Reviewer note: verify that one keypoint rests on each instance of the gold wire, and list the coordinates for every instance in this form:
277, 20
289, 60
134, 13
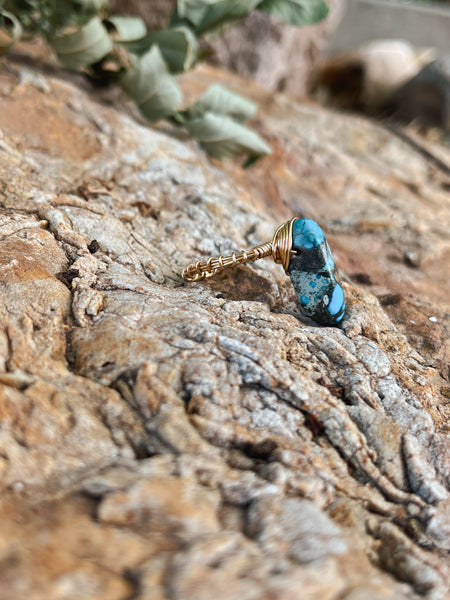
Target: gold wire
280, 248
282, 243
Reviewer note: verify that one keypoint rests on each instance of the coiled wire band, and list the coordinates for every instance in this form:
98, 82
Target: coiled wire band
280, 248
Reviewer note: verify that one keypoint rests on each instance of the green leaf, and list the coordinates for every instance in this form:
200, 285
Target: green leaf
13, 30
65, 13
178, 46
151, 86
222, 137
193, 10
221, 101
296, 12
207, 15
127, 28
82, 47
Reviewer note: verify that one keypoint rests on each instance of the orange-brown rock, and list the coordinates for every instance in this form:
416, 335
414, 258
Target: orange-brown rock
169, 441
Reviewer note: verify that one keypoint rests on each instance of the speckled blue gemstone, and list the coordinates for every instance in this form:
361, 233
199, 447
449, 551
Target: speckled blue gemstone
312, 272
307, 234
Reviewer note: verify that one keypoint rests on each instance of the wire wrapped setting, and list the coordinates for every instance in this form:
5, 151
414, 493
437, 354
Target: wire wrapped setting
280, 248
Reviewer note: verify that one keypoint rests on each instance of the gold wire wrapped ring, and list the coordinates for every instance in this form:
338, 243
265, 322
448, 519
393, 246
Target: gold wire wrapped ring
300, 246
280, 248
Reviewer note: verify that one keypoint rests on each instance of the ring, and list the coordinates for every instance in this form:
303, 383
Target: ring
300, 246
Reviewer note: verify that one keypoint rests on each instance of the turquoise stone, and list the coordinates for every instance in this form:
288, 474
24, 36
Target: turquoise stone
337, 300
312, 272
307, 234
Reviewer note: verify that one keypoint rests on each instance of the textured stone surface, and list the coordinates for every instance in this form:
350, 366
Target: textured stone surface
170, 441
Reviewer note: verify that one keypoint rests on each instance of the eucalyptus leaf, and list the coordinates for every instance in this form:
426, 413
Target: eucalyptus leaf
192, 10
85, 46
178, 46
296, 12
127, 28
207, 15
221, 101
151, 86
13, 30
222, 137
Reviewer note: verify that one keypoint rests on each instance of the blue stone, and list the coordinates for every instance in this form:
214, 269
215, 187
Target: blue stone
307, 234
312, 272
337, 300
329, 264
339, 317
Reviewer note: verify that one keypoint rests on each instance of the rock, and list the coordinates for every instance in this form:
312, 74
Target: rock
277, 56
389, 78
160, 439
300, 525
425, 98
370, 75
167, 506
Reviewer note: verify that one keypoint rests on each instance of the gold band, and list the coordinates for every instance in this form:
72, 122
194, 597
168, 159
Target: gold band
280, 248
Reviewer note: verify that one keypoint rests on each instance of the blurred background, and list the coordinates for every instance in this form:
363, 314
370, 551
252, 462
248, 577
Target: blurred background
388, 58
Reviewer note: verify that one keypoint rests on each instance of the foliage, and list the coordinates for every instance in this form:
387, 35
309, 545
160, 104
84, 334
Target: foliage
120, 49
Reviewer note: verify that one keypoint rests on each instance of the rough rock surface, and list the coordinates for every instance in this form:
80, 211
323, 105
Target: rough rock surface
170, 441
